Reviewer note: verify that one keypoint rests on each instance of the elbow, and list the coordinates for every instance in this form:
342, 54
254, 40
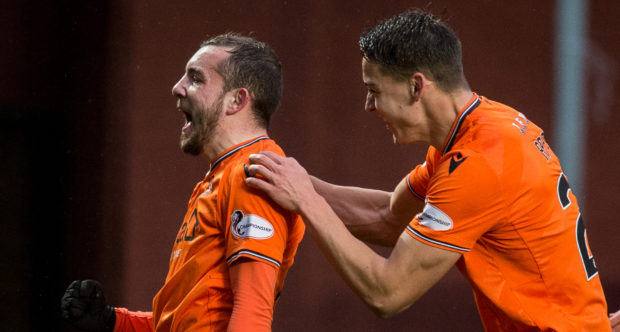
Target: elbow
382, 313
386, 303
383, 307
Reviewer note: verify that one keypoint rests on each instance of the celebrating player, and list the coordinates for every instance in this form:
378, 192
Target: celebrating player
490, 197
235, 245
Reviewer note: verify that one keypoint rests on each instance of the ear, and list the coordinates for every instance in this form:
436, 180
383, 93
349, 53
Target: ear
417, 83
239, 99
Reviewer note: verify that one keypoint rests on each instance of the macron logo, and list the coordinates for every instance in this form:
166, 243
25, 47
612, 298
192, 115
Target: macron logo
455, 162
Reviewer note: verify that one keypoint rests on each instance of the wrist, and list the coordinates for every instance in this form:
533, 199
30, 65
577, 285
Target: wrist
311, 208
109, 318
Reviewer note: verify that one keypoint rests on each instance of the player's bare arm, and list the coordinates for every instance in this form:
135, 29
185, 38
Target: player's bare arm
387, 286
371, 215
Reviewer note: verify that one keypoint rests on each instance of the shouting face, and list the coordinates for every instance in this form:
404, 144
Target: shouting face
199, 97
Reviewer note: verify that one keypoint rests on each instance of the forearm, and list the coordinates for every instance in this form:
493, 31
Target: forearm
386, 285
365, 212
357, 264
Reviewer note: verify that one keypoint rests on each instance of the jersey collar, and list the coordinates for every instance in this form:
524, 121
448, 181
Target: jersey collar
469, 107
234, 149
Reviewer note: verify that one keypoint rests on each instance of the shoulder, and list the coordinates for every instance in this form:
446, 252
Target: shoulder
238, 166
466, 171
267, 145
495, 130
467, 184
468, 160
498, 120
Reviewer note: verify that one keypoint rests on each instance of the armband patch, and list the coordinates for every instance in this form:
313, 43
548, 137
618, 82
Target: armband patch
250, 226
435, 219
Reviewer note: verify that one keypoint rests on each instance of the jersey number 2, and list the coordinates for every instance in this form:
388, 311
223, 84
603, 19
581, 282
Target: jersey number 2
580, 230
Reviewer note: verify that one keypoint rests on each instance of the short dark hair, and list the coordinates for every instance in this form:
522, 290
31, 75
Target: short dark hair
253, 65
415, 41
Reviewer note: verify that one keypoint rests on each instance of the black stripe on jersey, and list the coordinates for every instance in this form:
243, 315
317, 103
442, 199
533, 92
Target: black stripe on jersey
229, 153
253, 254
443, 244
413, 191
459, 121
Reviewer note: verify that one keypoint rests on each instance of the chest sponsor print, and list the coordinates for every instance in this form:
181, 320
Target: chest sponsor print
250, 226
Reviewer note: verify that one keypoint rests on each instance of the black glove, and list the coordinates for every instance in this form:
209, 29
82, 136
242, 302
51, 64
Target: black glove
83, 305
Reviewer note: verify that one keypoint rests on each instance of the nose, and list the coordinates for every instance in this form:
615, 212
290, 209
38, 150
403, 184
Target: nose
178, 90
370, 103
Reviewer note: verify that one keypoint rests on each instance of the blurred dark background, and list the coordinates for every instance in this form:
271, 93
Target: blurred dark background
94, 185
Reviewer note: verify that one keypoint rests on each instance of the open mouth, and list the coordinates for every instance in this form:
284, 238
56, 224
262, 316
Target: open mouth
188, 120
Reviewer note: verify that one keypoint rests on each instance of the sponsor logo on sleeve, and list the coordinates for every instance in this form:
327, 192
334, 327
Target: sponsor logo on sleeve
250, 226
435, 219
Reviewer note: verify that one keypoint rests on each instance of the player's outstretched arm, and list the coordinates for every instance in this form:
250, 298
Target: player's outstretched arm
387, 286
371, 215
84, 306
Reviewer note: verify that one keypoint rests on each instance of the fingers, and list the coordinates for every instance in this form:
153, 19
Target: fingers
272, 155
75, 284
71, 304
77, 308
615, 318
265, 164
267, 159
258, 184
87, 288
263, 173
81, 296
91, 289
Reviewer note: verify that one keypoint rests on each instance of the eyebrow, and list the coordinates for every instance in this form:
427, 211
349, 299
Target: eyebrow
194, 71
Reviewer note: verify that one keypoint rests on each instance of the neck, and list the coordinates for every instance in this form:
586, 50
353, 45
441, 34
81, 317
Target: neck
225, 139
445, 108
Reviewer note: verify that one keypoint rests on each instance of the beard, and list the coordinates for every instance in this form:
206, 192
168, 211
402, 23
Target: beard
203, 122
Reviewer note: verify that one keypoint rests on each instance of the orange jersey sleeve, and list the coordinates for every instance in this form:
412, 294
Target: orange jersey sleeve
252, 283
133, 321
255, 226
417, 180
455, 214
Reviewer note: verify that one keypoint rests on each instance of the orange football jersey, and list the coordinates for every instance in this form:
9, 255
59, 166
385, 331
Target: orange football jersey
225, 220
496, 194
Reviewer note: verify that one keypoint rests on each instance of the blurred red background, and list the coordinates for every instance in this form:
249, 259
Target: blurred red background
95, 185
